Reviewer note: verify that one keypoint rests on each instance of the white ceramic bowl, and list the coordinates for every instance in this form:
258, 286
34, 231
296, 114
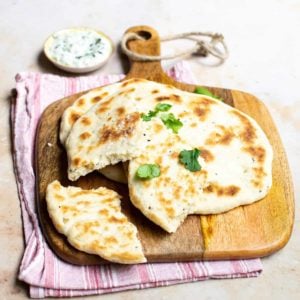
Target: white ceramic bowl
75, 69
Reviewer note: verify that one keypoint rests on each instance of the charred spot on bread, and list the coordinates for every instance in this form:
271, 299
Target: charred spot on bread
222, 136
76, 161
248, 133
124, 128
85, 121
207, 155
74, 116
80, 102
257, 152
173, 98
229, 191
84, 136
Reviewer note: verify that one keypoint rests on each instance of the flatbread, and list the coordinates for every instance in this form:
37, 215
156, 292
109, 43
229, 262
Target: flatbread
236, 152
109, 132
81, 106
76, 110
237, 155
93, 222
115, 173
165, 200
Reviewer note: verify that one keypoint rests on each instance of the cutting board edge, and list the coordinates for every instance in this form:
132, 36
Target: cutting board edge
250, 253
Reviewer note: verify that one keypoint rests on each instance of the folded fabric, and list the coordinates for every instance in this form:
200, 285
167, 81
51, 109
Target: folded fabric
46, 274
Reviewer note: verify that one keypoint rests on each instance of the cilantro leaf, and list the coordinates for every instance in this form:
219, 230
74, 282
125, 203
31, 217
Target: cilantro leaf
159, 107
168, 119
203, 91
171, 122
163, 107
148, 171
149, 116
189, 158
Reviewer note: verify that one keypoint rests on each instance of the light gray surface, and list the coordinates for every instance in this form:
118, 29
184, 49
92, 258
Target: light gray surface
263, 38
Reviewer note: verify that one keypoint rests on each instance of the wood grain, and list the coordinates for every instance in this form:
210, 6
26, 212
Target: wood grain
249, 231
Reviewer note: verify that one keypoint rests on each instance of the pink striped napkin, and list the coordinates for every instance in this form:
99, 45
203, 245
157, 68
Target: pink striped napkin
46, 274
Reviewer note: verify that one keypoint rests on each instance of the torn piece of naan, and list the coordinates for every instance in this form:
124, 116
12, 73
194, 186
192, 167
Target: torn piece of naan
80, 107
110, 131
93, 222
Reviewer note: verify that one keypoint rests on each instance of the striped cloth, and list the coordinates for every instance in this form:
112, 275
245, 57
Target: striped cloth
46, 274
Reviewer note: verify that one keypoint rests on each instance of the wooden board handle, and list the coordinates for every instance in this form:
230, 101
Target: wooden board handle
150, 70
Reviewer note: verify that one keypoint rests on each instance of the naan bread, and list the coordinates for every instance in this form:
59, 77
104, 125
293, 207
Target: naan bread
77, 109
115, 173
81, 106
93, 222
237, 154
165, 200
110, 131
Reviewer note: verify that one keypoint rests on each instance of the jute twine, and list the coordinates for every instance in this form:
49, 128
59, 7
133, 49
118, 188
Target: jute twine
202, 46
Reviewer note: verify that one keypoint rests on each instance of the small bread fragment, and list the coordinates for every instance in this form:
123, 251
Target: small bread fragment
93, 222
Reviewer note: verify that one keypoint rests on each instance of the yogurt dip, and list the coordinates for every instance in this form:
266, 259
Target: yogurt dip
78, 49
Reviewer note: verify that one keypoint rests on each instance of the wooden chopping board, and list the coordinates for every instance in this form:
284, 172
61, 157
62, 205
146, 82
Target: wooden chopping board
250, 231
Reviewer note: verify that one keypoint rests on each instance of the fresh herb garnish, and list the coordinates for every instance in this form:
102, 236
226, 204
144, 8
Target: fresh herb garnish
190, 159
203, 91
171, 122
163, 107
159, 107
169, 119
149, 116
148, 171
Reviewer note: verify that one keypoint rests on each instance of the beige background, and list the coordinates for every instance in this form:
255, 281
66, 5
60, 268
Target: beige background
263, 37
